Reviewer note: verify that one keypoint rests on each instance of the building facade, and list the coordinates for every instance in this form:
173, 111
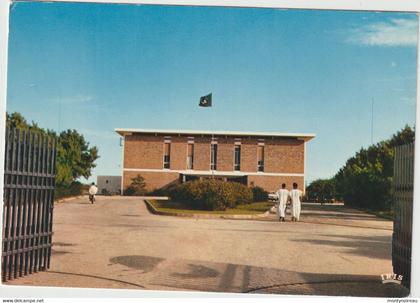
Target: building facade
108, 184
164, 157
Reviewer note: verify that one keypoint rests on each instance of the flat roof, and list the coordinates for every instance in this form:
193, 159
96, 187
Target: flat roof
125, 131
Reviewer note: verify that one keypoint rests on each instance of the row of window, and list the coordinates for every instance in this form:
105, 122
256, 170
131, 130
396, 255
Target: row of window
213, 157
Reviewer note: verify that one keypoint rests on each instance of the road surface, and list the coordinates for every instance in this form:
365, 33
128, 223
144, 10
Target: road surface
117, 243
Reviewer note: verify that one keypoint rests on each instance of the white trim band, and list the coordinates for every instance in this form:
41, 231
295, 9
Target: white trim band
215, 172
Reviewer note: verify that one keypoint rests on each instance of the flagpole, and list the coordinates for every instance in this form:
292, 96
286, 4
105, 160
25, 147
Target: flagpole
212, 139
211, 144
371, 125
206, 101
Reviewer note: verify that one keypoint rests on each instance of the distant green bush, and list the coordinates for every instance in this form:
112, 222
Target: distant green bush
74, 189
259, 194
321, 190
211, 194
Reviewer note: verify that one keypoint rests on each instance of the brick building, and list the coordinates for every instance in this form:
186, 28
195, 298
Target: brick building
163, 157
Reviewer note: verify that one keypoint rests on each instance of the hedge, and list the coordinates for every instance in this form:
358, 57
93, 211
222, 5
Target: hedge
211, 194
259, 194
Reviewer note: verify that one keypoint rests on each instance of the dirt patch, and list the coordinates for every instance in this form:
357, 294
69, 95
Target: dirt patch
143, 263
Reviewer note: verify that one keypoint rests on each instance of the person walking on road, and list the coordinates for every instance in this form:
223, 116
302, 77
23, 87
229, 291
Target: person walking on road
296, 196
283, 197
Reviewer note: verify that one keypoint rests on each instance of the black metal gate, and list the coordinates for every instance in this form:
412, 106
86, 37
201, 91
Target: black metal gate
29, 182
403, 181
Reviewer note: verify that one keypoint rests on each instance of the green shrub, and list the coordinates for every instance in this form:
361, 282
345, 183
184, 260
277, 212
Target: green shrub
240, 194
105, 192
137, 187
210, 194
259, 194
74, 189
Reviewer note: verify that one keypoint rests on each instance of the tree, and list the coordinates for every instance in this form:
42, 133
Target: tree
75, 158
16, 120
366, 179
321, 190
404, 136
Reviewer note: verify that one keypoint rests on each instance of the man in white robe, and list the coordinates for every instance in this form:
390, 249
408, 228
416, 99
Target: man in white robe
296, 196
283, 197
93, 190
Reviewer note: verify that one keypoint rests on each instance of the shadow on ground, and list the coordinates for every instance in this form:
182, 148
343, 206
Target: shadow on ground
372, 246
337, 212
227, 277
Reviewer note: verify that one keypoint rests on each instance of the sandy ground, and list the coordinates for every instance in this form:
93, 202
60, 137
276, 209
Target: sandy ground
117, 243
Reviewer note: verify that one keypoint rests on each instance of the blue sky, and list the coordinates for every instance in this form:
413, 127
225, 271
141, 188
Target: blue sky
96, 67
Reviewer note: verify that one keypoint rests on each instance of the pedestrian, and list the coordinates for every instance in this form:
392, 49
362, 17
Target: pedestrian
296, 196
283, 197
93, 190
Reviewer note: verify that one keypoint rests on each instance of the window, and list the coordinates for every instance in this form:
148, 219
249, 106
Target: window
190, 156
166, 155
237, 165
213, 156
260, 158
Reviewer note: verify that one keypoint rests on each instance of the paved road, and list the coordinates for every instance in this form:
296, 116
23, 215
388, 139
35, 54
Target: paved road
117, 243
